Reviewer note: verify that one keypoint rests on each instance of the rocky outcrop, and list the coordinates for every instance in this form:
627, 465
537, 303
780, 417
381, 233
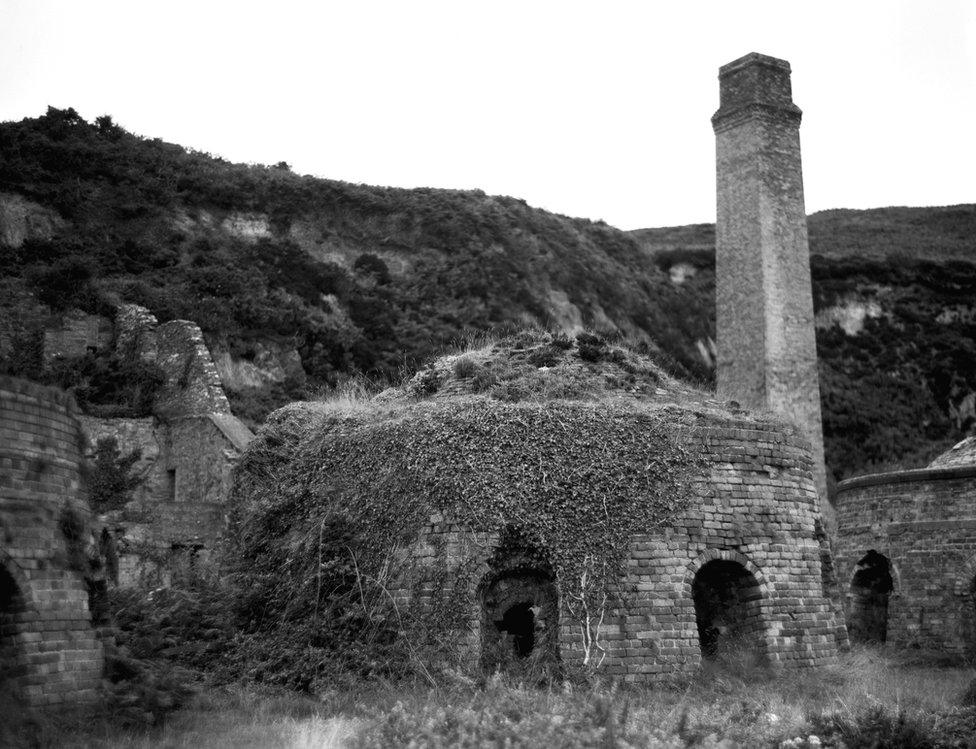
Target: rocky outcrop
22, 219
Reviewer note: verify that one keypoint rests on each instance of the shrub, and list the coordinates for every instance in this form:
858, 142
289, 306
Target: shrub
425, 382
58, 285
545, 356
26, 357
109, 384
876, 726
109, 476
591, 347
370, 264
466, 367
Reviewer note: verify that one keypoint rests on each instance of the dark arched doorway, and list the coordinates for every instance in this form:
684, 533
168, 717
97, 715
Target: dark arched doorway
520, 623
11, 604
871, 587
728, 611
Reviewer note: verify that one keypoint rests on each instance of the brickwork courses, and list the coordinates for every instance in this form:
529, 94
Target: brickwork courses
923, 524
49, 653
754, 509
767, 355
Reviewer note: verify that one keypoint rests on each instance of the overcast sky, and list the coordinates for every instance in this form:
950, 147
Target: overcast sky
597, 109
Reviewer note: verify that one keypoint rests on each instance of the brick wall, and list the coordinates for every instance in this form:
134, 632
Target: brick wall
754, 508
767, 356
924, 523
50, 654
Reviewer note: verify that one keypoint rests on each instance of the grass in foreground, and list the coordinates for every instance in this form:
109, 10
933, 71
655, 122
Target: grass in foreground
868, 700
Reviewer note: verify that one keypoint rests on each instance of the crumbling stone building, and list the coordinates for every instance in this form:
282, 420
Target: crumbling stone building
49, 652
906, 552
189, 442
189, 446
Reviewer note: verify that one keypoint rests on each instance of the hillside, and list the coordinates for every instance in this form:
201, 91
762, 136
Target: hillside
352, 278
894, 292
300, 283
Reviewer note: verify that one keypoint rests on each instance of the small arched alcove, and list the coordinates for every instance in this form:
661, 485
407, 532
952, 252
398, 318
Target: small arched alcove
11, 604
728, 611
871, 587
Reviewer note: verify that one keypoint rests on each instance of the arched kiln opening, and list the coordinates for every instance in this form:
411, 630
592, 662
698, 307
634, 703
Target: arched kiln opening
727, 610
11, 604
520, 622
871, 587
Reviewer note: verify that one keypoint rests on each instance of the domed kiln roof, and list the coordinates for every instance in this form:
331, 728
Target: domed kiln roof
960, 454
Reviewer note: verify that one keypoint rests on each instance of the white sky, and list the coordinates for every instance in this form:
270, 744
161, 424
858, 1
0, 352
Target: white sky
597, 109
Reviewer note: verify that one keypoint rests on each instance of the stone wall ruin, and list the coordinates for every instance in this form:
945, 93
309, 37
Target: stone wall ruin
189, 447
49, 653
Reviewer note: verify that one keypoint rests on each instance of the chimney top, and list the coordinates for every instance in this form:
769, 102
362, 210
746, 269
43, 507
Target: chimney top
755, 79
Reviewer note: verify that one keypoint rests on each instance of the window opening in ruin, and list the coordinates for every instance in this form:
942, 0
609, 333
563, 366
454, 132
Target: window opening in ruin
171, 484
11, 604
727, 611
871, 588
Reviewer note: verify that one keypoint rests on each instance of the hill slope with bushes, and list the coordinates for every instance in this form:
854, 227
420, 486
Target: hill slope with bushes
300, 282
894, 293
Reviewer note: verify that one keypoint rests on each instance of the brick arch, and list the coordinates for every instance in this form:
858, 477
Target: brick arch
727, 607
965, 579
862, 552
14, 602
9, 565
728, 555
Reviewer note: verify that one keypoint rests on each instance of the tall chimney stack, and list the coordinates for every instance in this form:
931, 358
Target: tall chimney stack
767, 354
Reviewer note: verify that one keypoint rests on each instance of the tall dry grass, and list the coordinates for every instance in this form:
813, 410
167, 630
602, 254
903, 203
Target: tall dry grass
868, 699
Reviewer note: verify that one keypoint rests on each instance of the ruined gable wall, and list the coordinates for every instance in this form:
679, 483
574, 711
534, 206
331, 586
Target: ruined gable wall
924, 522
52, 654
756, 504
192, 386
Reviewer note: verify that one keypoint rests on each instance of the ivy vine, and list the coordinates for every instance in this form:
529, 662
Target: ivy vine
578, 479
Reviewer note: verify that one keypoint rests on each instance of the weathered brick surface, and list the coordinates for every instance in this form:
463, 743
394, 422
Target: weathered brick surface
47, 645
767, 356
924, 523
754, 505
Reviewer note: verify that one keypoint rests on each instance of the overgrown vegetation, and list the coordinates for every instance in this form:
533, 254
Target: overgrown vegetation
329, 500
867, 701
146, 227
104, 383
109, 477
